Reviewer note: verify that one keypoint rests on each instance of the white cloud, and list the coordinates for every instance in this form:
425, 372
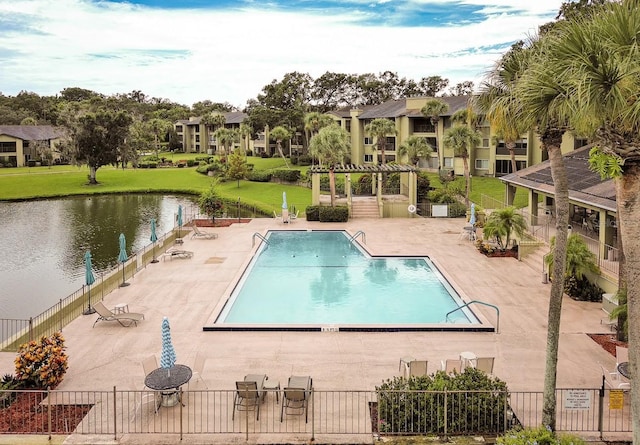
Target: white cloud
190, 55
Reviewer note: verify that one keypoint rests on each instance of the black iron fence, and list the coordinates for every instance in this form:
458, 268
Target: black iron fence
354, 415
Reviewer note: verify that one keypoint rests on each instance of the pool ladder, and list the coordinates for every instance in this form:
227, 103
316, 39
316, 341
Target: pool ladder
357, 234
257, 235
479, 302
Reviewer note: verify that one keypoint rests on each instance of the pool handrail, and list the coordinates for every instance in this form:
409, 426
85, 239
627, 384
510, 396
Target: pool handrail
253, 239
358, 233
479, 302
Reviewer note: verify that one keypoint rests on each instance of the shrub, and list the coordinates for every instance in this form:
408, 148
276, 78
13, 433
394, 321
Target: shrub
191, 162
324, 184
417, 404
312, 213
363, 185
287, 175
260, 176
334, 214
581, 289
539, 436
305, 160
43, 363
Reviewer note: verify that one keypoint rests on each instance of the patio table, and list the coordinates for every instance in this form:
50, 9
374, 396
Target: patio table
169, 381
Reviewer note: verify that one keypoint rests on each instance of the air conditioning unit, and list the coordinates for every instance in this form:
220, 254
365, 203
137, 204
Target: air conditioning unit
609, 302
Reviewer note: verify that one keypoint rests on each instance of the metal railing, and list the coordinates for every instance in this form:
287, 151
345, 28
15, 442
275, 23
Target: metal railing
349, 414
14, 332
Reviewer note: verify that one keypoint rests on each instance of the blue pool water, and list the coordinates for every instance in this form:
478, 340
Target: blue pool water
322, 278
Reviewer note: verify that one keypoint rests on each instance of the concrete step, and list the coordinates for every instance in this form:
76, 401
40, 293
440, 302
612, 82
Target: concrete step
365, 210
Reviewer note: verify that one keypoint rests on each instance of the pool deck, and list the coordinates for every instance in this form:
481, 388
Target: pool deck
191, 290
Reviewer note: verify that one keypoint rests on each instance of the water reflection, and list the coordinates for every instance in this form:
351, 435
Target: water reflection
44, 243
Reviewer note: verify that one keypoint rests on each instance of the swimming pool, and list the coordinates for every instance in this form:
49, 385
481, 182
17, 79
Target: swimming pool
324, 280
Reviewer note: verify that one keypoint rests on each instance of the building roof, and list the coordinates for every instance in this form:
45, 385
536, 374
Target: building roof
585, 185
397, 108
351, 168
32, 132
232, 117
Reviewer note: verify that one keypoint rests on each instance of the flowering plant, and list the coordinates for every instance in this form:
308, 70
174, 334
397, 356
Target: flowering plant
42, 363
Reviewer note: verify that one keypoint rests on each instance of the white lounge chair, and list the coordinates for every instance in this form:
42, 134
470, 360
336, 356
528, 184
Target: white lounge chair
296, 395
197, 233
452, 365
614, 380
124, 318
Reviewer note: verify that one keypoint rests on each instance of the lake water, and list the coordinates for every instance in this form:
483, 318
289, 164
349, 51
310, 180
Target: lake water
44, 242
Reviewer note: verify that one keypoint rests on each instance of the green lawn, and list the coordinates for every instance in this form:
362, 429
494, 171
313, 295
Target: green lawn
57, 181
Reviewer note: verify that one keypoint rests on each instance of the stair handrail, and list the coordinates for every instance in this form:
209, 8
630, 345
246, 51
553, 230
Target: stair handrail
358, 233
478, 302
258, 235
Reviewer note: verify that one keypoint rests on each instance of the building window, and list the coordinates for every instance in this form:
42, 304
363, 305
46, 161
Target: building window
577, 143
368, 158
368, 140
485, 142
390, 144
7, 147
432, 142
503, 166
178, 128
448, 162
197, 138
347, 125
482, 164
423, 125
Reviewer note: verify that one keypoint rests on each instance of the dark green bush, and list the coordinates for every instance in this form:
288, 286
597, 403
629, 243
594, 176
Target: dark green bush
334, 214
473, 401
582, 289
305, 160
324, 184
312, 213
191, 162
259, 176
362, 186
286, 175
457, 209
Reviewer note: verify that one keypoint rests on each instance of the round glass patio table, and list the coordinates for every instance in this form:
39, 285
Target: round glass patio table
623, 369
165, 379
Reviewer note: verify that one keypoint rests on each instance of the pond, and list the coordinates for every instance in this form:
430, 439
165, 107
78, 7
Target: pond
44, 243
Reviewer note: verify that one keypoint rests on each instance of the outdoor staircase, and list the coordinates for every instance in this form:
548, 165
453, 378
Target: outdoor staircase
365, 208
534, 257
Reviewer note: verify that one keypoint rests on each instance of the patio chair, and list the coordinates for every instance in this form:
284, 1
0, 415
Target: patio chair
197, 233
177, 253
296, 395
485, 364
126, 319
614, 380
294, 216
249, 394
413, 368
149, 396
452, 365
198, 367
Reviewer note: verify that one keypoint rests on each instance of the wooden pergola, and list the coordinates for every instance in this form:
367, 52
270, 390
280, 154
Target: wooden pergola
408, 177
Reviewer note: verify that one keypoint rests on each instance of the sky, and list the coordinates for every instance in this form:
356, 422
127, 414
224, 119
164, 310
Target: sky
188, 51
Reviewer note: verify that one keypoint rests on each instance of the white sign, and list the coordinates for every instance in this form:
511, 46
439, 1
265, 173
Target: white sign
439, 210
577, 399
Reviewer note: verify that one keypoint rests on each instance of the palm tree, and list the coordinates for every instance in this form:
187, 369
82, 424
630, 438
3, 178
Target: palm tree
331, 146
380, 128
280, 133
545, 98
502, 223
414, 147
463, 139
212, 121
245, 133
580, 259
226, 137
433, 109
497, 99
314, 121
601, 57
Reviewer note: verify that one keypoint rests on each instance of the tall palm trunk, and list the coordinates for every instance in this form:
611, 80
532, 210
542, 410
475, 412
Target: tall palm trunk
332, 185
552, 140
511, 146
465, 163
628, 194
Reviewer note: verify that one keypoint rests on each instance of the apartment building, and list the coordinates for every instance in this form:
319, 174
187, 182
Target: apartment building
22, 145
490, 158
197, 137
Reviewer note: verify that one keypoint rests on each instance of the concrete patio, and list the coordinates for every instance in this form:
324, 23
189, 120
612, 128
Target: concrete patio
190, 290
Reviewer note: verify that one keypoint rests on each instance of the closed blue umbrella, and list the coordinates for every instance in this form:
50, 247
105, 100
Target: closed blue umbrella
153, 239
168, 355
123, 257
179, 220
472, 218
285, 208
89, 279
